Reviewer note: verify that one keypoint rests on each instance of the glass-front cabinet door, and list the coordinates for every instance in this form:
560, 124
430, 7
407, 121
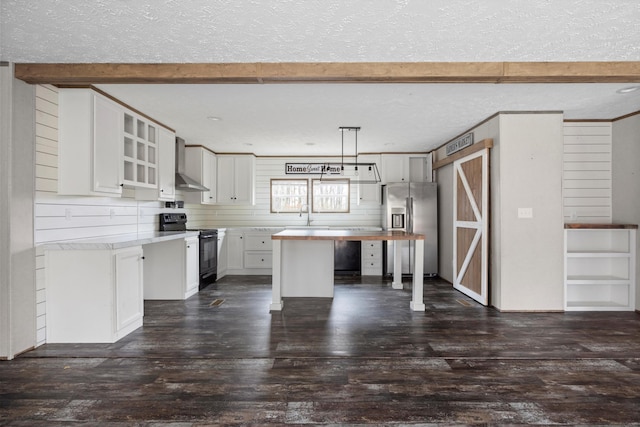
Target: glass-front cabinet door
140, 152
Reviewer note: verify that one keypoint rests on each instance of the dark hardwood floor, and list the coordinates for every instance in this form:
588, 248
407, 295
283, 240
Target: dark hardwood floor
361, 358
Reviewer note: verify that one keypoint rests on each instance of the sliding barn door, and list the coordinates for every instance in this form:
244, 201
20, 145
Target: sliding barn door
471, 226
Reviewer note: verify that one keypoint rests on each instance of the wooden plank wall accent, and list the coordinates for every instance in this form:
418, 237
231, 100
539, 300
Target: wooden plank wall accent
587, 166
46, 181
363, 215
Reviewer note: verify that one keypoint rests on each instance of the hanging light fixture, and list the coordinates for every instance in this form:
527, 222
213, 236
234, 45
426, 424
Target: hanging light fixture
374, 174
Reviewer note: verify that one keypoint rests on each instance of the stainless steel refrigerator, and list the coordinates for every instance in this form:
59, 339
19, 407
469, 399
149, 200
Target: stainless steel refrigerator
411, 207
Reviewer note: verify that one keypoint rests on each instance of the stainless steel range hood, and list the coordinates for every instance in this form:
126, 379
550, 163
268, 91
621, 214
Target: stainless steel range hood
183, 182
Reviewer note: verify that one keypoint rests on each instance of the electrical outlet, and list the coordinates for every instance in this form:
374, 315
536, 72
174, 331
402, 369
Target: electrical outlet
525, 212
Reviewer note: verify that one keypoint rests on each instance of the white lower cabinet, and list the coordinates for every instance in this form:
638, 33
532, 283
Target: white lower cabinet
600, 267
257, 251
192, 262
254, 259
93, 296
171, 269
250, 250
222, 253
235, 250
371, 258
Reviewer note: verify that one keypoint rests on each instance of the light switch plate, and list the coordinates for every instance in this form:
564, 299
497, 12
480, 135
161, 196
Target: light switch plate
525, 212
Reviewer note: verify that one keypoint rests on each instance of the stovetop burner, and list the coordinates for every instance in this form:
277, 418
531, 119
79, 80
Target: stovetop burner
204, 231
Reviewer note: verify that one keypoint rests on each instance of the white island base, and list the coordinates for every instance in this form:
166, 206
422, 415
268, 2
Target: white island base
303, 263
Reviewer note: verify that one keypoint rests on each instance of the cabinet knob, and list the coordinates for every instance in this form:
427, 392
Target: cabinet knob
142, 257
162, 190
121, 185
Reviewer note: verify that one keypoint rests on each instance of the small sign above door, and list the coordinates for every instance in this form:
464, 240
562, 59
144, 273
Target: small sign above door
463, 142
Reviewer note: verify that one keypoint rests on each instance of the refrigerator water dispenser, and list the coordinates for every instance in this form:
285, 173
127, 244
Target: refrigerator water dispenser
397, 218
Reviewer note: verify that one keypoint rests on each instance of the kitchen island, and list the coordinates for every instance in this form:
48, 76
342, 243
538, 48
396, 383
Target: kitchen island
303, 263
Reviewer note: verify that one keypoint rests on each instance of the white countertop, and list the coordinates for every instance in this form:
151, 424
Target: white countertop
119, 241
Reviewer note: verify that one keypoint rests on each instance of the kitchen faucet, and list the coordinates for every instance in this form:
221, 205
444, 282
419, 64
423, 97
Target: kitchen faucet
308, 214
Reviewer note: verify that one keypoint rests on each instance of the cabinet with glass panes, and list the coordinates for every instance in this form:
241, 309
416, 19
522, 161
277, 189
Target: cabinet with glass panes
140, 139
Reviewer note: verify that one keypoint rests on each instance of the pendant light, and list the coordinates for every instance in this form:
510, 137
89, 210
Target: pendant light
372, 168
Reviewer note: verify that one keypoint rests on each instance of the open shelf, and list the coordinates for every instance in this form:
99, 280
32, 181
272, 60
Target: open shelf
600, 270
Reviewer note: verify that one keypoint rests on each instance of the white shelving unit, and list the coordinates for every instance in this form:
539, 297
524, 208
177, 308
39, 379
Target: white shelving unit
600, 267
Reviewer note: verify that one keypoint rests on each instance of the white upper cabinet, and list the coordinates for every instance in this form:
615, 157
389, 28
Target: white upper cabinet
236, 179
166, 169
368, 192
103, 146
200, 164
89, 152
405, 168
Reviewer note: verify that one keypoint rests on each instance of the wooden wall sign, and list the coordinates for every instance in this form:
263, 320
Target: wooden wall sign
312, 169
456, 145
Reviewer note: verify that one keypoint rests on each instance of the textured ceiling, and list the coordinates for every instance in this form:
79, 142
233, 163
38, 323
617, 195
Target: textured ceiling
303, 118
287, 119
319, 30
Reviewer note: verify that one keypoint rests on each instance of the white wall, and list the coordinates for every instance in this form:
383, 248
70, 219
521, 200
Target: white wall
626, 177
17, 266
525, 171
531, 250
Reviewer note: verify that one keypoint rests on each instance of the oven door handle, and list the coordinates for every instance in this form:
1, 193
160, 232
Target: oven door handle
207, 237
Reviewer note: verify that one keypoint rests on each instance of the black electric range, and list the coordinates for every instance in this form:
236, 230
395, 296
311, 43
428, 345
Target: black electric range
208, 245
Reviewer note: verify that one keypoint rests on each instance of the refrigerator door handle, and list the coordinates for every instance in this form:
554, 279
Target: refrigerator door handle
409, 214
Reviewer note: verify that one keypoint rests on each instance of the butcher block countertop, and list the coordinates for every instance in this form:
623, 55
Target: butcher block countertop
345, 235
578, 226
